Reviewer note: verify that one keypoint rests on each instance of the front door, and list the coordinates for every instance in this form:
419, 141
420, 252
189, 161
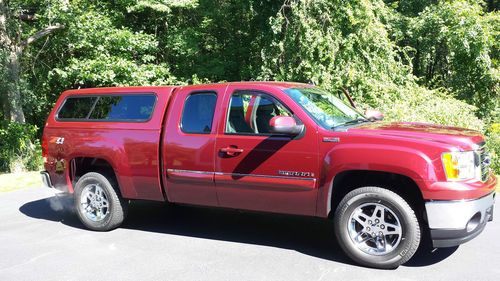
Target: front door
256, 170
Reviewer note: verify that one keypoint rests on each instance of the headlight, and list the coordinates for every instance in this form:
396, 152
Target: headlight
459, 165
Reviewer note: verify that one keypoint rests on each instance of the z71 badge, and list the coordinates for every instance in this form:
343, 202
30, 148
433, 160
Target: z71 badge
295, 173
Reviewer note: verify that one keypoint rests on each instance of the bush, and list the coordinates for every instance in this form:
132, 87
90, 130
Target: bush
422, 105
453, 44
20, 149
493, 143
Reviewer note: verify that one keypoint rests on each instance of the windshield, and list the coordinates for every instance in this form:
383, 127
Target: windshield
328, 111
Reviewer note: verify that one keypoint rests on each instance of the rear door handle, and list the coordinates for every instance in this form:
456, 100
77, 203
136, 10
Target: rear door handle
231, 150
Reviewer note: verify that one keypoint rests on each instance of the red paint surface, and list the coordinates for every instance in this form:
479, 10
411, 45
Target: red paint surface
243, 171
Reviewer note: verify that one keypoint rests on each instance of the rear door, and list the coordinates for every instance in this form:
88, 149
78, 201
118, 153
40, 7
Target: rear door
189, 145
257, 170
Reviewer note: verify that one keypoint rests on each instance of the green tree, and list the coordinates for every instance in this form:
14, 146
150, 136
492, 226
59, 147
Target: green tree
219, 40
337, 44
452, 43
103, 44
13, 42
348, 46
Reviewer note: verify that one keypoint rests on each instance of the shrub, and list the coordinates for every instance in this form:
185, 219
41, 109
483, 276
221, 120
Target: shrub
493, 143
422, 105
19, 147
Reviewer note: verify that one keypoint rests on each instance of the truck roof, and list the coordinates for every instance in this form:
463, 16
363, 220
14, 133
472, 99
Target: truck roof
109, 90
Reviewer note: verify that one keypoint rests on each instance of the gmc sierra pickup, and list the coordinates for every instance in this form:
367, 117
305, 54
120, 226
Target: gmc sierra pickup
275, 147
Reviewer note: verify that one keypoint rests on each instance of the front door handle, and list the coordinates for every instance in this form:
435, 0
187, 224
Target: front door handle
231, 150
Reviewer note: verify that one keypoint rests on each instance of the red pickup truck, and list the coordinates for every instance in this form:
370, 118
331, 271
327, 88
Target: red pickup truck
275, 147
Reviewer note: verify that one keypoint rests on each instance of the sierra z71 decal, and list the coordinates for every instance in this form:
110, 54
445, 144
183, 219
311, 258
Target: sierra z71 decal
295, 173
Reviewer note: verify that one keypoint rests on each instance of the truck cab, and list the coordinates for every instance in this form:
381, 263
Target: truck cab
275, 147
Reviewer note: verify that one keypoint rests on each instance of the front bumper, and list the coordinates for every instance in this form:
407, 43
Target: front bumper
453, 223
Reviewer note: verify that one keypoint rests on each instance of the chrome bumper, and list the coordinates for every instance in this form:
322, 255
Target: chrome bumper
46, 179
455, 222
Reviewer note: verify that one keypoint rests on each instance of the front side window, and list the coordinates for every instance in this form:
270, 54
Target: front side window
198, 113
250, 113
328, 111
128, 108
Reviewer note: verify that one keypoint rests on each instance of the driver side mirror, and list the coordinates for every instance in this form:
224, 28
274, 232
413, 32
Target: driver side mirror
285, 125
374, 115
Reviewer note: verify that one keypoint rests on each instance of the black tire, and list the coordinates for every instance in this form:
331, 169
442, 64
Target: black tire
396, 211
111, 214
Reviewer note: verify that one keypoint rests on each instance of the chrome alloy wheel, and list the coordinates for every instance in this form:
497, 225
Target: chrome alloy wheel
94, 202
374, 229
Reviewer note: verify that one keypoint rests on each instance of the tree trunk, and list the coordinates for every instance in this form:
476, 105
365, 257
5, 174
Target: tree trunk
4, 42
14, 99
11, 95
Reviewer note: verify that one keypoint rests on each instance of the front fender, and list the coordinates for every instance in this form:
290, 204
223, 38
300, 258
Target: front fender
401, 160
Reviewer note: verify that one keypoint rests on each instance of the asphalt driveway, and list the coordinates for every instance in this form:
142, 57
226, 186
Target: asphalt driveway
40, 241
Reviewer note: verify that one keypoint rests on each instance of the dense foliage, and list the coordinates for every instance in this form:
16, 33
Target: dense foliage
450, 45
416, 60
493, 135
353, 51
19, 149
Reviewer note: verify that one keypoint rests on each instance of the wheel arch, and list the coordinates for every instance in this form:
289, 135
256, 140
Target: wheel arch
403, 185
79, 166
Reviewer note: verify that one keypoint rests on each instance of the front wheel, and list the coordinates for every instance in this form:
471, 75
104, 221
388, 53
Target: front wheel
98, 204
376, 227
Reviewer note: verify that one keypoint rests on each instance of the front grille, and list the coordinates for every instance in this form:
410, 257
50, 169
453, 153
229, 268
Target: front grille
482, 161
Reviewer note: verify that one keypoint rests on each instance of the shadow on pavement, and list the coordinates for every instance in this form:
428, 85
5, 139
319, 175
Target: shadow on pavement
56, 208
427, 256
310, 236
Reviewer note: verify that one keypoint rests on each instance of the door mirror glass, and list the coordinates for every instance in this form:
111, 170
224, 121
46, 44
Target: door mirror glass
374, 115
285, 125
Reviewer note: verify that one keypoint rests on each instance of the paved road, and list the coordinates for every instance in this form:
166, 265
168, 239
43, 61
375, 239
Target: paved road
38, 241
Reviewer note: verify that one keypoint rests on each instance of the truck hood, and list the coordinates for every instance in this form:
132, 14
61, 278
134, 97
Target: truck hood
458, 137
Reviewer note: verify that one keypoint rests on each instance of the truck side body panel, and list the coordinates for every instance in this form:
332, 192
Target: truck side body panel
131, 148
266, 176
272, 173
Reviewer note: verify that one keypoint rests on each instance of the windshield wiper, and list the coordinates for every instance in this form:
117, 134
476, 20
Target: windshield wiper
353, 121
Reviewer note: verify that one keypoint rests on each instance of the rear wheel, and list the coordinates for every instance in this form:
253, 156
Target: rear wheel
376, 227
98, 204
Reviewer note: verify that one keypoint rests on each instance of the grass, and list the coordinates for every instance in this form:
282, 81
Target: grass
15, 181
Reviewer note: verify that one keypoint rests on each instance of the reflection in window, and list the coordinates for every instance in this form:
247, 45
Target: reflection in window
108, 108
198, 113
327, 110
128, 107
76, 108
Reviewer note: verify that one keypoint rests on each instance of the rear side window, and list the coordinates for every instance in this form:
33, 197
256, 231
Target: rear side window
198, 113
128, 108
123, 108
76, 108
